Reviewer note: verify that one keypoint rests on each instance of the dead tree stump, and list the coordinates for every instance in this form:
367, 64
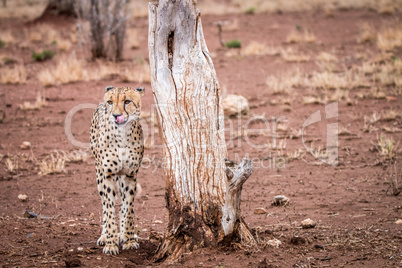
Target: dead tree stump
202, 193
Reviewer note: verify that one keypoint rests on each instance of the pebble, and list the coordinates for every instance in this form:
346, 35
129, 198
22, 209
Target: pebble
234, 105
26, 145
398, 222
274, 243
280, 200
260, 211
23, 197
308, 223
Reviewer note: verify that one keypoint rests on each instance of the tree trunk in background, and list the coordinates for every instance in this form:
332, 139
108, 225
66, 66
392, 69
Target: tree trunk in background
202, 192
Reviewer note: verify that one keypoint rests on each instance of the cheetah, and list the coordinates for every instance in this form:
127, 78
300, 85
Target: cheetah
118, 147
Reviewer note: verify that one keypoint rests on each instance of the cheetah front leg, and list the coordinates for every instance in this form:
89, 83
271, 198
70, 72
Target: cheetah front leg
111, 240
127, 191
102, 239
99, 179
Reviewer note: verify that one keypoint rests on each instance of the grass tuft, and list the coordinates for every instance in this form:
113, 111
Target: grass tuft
14, 75
387, 147
39, 103
53, 164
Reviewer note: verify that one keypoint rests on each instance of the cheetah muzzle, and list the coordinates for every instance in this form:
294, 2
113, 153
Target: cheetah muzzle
118, 147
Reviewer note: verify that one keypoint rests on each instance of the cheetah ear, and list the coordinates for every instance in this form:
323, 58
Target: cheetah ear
109, 88
141, 91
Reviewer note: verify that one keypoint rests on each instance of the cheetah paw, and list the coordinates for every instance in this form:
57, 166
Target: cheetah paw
111, 249
102, 240
132, 244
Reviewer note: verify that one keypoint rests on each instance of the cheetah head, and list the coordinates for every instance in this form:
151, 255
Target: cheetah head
123, 103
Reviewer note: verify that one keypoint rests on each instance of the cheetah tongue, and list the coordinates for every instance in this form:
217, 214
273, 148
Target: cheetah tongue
120, 119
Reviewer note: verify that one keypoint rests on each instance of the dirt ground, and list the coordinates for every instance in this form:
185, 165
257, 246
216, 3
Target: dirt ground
352, 203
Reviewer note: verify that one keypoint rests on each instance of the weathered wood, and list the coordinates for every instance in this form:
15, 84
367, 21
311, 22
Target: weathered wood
188, 98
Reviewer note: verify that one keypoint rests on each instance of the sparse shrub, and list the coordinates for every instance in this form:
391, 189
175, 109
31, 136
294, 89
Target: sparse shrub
2, 43
250, 10
233, 44
44, 55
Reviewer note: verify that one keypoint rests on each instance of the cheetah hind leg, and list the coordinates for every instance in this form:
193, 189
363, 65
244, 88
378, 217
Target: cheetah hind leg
127, 234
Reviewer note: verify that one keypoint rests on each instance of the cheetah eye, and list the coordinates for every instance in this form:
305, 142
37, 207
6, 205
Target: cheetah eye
127, 102
109, 102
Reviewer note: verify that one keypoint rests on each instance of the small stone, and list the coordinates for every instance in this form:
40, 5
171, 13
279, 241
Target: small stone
26, 145
92, 216
398, 222
23, 197
80, 248
158, 221
308, 223
280, 200
235, 105
274, 243
260, 211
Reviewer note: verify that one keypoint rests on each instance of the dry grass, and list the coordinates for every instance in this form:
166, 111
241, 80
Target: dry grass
390, 38
387, 147
12, 165
53, 164
391, 115
259, 49
290, 55
296, 155
77, 156
325, 56
284, 83
23, 9
39, 103
69, 69
297, 36
314, 100
367, 34
14, 75
63, 44
261, 6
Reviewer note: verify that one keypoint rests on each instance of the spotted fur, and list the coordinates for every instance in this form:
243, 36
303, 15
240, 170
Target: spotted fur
118, 149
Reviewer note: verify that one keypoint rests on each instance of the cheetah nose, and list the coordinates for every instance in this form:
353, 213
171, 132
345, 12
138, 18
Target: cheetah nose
119, 118
116, 115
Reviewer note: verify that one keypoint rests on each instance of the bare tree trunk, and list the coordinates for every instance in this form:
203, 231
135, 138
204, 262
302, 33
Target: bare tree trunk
107, 21
203, 202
